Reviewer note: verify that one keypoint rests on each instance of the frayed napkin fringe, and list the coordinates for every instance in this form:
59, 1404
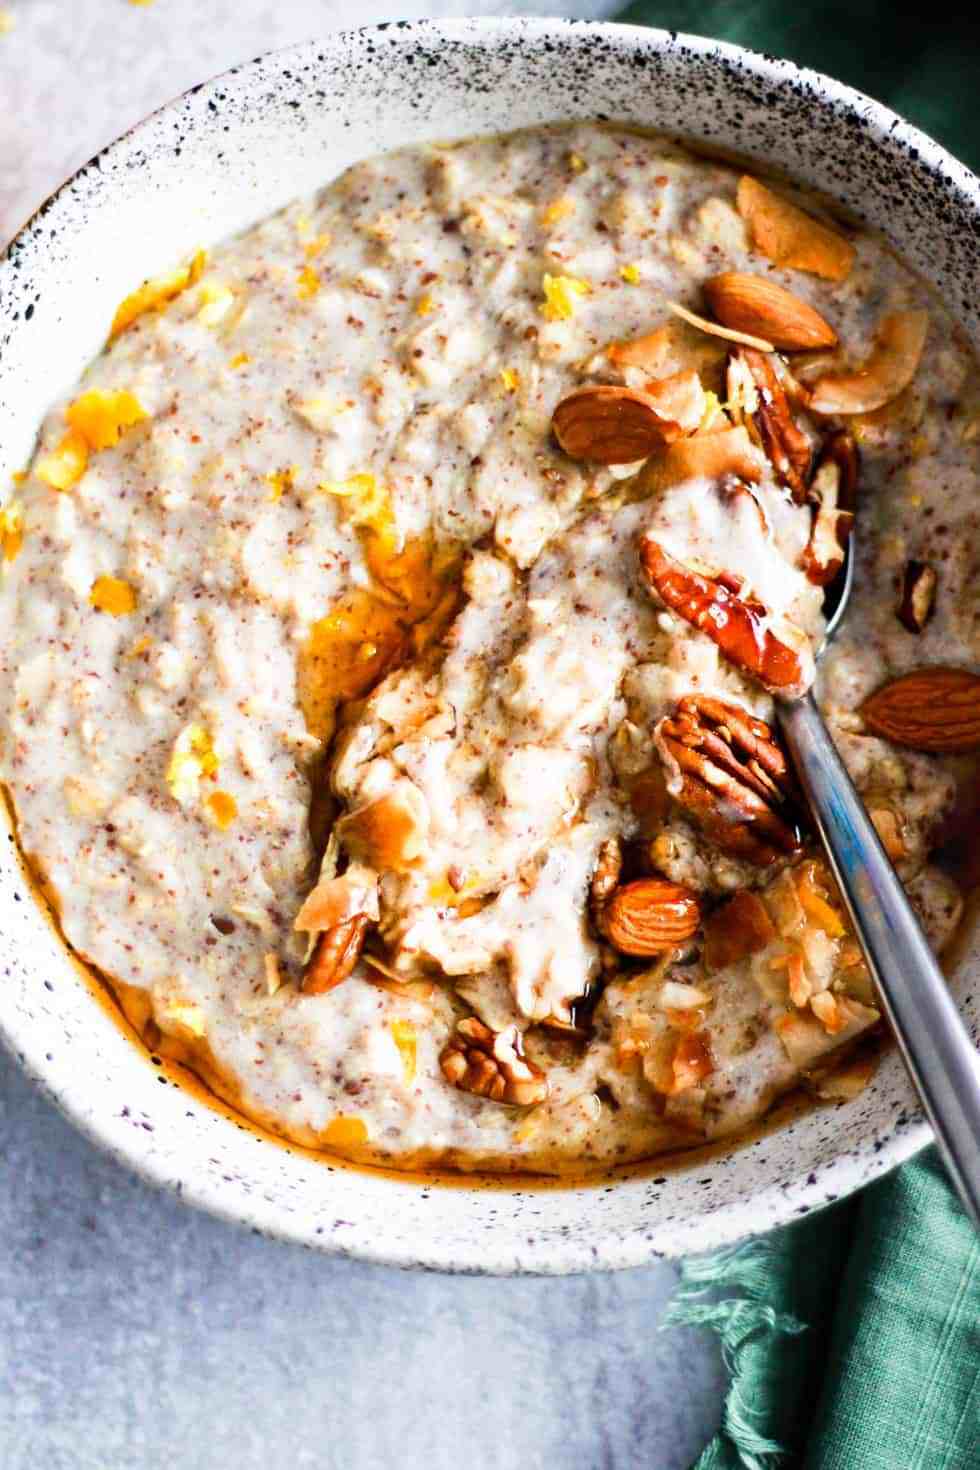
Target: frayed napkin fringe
744, 1273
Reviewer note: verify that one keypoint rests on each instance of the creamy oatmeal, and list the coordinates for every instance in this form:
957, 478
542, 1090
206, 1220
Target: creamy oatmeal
395, 614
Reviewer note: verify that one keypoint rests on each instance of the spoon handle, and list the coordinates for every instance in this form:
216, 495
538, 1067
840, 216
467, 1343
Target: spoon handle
934, 1041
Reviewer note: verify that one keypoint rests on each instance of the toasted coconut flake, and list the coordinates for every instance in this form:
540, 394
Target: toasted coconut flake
273, 979
676, 996
647, 352
389, 833
680, 398
335, 900
886, 373
789, 236
711, 456
739, 928
692, 1062
713, 329
846, 1083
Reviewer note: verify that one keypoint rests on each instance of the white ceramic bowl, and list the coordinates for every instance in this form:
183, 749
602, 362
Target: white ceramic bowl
211, 163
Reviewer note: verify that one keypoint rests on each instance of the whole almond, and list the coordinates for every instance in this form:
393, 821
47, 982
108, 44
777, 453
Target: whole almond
929, 709
611, 425
758, 306
649, 916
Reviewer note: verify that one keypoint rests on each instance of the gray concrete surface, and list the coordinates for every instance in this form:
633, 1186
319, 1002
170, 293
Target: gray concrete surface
136, 1334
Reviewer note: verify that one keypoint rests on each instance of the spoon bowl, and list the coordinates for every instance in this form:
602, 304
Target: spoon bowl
930, 1031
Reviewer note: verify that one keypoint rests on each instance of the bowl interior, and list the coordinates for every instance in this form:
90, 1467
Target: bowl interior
207, 166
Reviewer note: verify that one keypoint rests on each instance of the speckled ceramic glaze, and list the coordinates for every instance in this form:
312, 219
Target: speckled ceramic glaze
210, 164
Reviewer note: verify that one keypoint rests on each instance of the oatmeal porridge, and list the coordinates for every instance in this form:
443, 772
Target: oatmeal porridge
395, 615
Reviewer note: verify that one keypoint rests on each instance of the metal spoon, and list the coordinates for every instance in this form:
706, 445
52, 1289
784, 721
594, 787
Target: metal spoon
935, 1043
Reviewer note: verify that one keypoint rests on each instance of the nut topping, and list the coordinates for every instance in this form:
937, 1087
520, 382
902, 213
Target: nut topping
739, 626
731, 777
335, 956
929, 709
713, 329
785, 444
833, 493
492, 1064
609, 865
389, 833
738, 928
757, 305
885, 374
711, 456
918, 595
649, 916
789, 236
611, 425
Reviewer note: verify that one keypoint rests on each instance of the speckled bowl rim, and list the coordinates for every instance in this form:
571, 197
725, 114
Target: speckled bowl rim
747, 1212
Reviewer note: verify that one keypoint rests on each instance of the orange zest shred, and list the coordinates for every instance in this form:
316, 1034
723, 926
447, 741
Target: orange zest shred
66, 464
11, 531
345, 1132
281, 481
222, 809
100, 418
800, 988
819, 910
112, 595
692, 1062
156, 293
561, 294
316, 246
307, 283
403, 1035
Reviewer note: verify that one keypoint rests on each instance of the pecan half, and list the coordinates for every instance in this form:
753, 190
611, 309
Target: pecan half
731, 777
611, 425
492, 1064
338, 951
833, 494
649, 916
740, 627
786, 446
918, 595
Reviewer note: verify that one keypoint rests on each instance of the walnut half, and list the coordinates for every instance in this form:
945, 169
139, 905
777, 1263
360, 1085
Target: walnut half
492, 1064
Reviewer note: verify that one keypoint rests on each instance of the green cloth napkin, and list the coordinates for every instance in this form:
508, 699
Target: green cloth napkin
852, 1337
